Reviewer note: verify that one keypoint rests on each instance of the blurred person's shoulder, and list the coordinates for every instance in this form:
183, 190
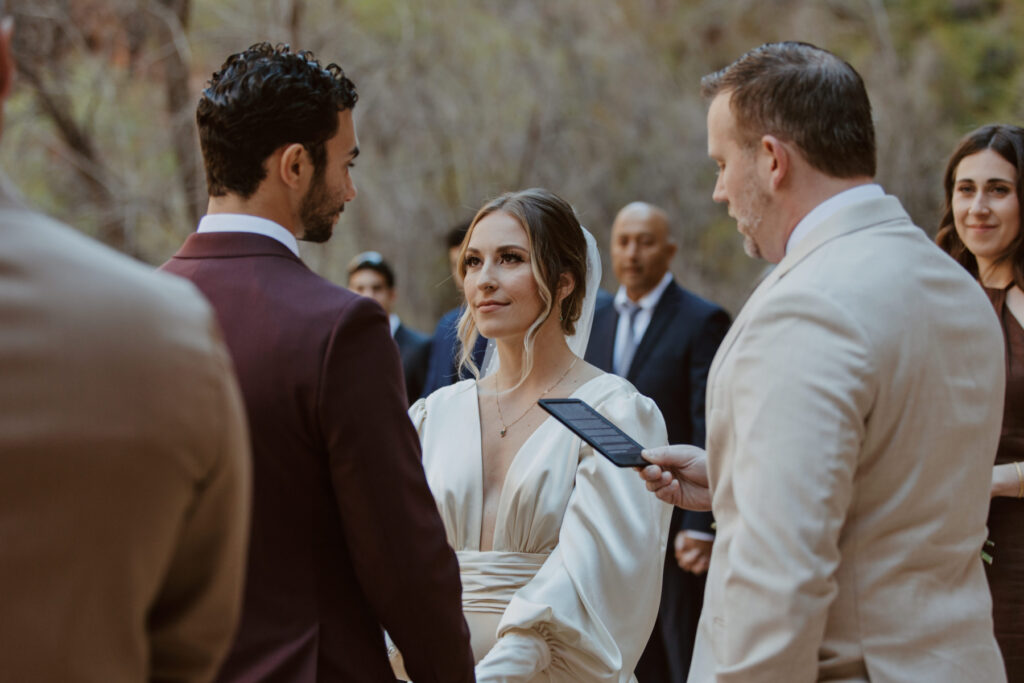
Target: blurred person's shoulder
53, 268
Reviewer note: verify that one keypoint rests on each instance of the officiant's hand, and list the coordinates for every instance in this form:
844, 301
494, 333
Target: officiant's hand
678, 475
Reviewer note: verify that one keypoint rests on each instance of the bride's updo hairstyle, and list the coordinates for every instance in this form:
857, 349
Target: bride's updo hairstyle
557, 248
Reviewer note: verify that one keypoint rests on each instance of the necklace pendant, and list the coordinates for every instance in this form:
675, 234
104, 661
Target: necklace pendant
505, 429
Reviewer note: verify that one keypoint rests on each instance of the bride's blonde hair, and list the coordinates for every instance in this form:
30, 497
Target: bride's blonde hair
557, 248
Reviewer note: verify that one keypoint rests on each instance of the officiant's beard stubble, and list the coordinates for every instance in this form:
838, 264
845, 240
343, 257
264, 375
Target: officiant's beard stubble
749, 209
320, 210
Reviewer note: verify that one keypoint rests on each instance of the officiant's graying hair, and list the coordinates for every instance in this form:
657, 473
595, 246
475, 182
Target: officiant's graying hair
260, 100
557, 248
774, 86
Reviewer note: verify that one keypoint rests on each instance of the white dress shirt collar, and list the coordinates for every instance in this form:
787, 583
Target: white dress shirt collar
395, 322
239, 222
647, 302
828, 208
624, 332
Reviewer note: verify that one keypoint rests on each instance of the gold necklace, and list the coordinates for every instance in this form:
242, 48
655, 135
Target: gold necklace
497, 401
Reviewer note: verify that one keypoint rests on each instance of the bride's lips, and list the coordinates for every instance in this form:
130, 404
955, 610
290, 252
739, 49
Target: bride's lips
489, 306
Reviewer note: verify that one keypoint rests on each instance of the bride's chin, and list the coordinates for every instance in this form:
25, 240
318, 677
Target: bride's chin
495, 332
498, 332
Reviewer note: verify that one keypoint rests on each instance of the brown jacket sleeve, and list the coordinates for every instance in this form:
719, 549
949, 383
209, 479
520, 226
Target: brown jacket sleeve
403, 561
192, 620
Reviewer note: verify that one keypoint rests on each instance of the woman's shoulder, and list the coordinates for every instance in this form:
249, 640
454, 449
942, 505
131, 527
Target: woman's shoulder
617, 399
440, 399
607, 386
450, 391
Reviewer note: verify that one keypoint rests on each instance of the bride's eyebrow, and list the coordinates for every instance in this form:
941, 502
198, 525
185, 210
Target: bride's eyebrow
503, 247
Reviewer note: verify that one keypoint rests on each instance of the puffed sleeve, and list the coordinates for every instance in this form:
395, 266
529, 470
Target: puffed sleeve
418, 415
589, 610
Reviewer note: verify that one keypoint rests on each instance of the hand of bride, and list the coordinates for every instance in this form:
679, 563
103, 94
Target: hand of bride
678, 475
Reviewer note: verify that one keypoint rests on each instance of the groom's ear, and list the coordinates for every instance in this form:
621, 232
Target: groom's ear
292, 166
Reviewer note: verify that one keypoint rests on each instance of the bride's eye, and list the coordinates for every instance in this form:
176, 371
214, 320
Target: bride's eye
511, 257
470, 261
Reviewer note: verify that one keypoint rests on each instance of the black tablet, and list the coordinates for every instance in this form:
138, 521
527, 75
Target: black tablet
596, 430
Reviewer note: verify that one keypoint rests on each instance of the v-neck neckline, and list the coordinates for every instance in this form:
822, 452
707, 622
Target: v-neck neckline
479, 460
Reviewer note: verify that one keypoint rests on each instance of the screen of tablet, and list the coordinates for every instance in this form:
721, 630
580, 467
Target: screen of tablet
596, 430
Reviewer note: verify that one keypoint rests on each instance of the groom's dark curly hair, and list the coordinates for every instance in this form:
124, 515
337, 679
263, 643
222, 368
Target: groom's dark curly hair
260, 100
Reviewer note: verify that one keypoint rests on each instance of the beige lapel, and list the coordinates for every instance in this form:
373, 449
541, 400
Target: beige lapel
866, 214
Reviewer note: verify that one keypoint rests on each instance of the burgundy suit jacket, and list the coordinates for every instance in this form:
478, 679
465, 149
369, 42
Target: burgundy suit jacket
346, 537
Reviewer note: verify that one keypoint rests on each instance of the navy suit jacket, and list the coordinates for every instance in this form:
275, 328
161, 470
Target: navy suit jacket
414, 348
671, 366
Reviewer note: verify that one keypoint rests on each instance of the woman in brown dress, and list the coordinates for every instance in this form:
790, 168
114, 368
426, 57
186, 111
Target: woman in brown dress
981, 229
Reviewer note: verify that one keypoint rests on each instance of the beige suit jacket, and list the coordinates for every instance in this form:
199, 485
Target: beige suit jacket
853, 412
124, 472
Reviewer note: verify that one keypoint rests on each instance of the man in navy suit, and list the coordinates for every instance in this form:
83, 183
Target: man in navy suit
370, 275
662, 338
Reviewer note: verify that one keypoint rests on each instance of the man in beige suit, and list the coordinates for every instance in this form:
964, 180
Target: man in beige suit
853, 408
124, 472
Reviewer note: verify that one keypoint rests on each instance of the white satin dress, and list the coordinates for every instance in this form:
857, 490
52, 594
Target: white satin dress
571, 589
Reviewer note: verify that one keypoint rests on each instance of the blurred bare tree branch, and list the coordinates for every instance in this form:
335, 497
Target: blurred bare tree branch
460, 100
169, 30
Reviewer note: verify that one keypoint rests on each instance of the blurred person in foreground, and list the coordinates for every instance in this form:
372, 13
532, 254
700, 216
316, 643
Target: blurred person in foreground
554, 541
124, 462
345, 533
853, 408
662, 339
370, 275
981, 229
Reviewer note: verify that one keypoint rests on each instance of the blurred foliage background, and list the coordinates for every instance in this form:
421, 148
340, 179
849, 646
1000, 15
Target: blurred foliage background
460, 100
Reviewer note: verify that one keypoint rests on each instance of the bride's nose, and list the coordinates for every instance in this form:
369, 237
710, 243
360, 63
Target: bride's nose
485, 280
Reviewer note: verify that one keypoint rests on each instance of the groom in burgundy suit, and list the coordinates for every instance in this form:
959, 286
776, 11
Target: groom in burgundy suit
345, 534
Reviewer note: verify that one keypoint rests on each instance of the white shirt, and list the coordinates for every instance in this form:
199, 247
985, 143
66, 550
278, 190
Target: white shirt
623, 304
239, 222
828, 208
394, 322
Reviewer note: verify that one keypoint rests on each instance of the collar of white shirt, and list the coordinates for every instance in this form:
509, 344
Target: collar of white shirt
239, 222
828, 208
647, 302
395, 322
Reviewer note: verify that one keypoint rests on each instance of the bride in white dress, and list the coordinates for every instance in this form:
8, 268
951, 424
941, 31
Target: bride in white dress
560, 551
